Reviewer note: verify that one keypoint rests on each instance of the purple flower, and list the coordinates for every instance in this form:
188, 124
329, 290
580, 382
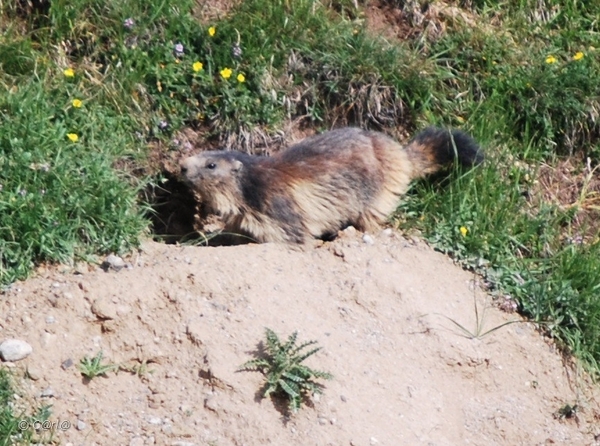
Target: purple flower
178, 49
236, 51
129, 23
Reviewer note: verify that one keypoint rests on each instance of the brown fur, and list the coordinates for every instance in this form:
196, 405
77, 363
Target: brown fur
322, 184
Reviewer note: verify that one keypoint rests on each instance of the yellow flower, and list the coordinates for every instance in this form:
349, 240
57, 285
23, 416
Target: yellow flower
197, 66
241, 78
463, 231
69, 72
77, 103
226, 73
73, 137
550, 59
211, 31
578, 55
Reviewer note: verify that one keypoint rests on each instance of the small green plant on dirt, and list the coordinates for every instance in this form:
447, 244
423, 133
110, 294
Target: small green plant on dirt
92, 367
568, 412
140, 369
478, 332
285, 373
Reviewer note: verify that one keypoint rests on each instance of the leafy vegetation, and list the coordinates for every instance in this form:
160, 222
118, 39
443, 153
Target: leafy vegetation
15, 427
88, 87
285, 373
93, 367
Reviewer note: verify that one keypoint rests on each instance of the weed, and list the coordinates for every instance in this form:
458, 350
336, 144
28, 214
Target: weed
140, 369
285, 373
478, 332
92, 367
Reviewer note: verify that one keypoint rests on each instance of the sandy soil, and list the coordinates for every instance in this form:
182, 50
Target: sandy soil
381, 309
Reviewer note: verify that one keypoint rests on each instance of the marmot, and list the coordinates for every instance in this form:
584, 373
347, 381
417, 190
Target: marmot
322, 184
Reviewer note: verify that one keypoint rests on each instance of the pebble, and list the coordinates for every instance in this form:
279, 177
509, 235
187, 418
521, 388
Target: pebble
33, 373
373, 440
80, 425
368, 239
387, 232
14, 350
48, 392
137, 441
66, 364
47, 339
104, 309
155, 421
50, 319
113, 262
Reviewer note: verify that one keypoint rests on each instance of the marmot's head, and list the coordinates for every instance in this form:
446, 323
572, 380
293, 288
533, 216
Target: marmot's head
215, 176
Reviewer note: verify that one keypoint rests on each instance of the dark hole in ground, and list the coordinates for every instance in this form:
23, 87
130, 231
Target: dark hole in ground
177, 217
173, 210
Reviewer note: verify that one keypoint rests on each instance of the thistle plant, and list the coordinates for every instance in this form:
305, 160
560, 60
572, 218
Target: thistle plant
285, 373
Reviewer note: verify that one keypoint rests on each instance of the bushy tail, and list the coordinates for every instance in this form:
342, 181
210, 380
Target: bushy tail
434, 149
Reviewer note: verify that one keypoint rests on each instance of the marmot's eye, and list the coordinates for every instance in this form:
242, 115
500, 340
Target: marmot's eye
211, 166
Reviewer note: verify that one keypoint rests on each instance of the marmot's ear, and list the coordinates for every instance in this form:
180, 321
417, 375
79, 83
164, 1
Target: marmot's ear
237, 166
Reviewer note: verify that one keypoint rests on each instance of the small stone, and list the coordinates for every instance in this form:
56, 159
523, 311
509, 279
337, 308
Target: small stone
368, 239
387, 232
109, 326
66, 364
113, 262
14, 350
350, 230
322, 421
343, 398
373, 441
155, 421
104, 309
33, 373
80, 425
48, 392
137, 441
47, 339
50, 319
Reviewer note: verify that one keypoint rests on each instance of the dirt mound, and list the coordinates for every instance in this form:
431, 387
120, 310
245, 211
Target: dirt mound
381, 307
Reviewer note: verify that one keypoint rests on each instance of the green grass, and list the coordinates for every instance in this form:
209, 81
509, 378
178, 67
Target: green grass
505, 71
15, 427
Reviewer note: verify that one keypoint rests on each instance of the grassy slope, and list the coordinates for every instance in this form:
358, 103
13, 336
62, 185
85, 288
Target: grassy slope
490, 72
